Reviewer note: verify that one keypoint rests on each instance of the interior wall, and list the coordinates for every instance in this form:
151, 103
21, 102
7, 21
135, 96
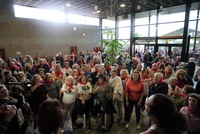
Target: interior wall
28, 36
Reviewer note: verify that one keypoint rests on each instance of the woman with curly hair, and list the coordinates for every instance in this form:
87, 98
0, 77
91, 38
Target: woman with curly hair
183, 78
164, 116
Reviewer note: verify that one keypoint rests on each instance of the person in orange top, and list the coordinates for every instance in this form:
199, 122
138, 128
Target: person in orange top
134, 96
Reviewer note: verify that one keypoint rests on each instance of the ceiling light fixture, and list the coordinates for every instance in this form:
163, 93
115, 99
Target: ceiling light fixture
123, 5
138, 7
68, 5
95, 7
98, 11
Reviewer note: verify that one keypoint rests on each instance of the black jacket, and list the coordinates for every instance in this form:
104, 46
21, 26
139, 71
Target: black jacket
159, 88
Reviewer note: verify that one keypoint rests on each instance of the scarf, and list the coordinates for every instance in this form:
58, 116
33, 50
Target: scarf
101, 84
40, 84
164, 78
70, 87
160, 82
168, 74
48, 83
67, 67
83, 83
194, 112
183, 95
123, 78
59, 74
145, 77
154, 69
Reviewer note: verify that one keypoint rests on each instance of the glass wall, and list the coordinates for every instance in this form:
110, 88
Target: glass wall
108, 28
168, 31
194, 32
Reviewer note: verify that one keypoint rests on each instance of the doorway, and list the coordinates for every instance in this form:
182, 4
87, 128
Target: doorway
2, 54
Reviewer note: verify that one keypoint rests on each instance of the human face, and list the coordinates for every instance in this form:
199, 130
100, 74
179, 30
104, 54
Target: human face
181, 76
38, 79
3, 92
123, 73
135, 76
48, 78
113, 74
69, 81
100, 80
83, 79
87, 68
157, 77
101, 70
192, 102
147, 104
173, 83
145, 73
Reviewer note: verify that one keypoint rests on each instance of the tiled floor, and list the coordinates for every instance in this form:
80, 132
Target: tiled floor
119, 129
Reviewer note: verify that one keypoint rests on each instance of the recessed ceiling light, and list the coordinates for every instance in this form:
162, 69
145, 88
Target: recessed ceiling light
122, 5
74, 28
68, 5
98, 11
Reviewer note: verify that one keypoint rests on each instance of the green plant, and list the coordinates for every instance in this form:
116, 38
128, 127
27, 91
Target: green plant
112, 48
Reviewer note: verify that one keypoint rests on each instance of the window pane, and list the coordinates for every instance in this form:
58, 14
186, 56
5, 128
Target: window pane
193, 11
126, 45
193, 15
54, 16
192, 27
152, 30
153, 17
77, 19
108, 23
27, 12
176, 51
172, 14
170, 29
108, 34
170, 41
198, 30
124, 23
191, 47
124, 33
142, 18
91, 21
141, 31
142, 21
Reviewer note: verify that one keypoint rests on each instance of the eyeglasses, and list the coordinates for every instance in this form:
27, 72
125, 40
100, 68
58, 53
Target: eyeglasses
21, 76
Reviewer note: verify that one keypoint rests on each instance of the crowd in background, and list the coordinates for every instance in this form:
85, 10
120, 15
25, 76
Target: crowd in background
87, 86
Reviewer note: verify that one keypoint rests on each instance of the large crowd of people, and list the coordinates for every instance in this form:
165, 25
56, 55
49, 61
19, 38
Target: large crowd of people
39, 95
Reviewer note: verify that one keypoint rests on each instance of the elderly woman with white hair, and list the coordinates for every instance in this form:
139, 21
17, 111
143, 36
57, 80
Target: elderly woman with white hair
158, 86
173, 91
190, 67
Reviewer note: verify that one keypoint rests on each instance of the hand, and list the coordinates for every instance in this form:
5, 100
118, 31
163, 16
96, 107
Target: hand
139, 103
127, 103
10, 112
97, 88
2, 108
83, 101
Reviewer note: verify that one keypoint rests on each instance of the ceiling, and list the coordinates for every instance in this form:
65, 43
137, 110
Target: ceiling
107, 8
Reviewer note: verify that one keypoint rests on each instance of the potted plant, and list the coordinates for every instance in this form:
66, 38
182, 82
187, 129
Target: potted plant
112, 48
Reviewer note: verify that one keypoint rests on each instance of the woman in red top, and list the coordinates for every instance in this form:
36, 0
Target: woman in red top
134, 95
